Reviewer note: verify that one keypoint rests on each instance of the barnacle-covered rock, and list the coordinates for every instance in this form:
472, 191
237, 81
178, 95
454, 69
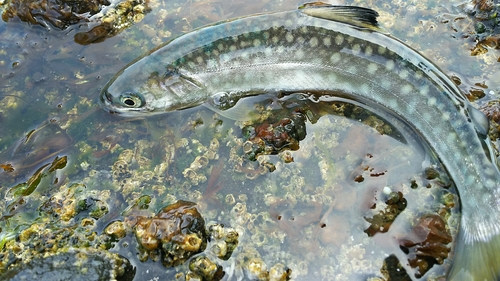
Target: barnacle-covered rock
485, 14
177, 232
271, 138
108, 17
59, 14
427, 243
75, 264
116, 230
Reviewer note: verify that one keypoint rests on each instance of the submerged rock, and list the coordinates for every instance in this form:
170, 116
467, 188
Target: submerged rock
59, 14
272, 138
427, 243
177, 232
107, 18
75, 265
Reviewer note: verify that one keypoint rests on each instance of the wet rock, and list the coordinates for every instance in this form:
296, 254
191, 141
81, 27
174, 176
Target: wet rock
492, 111
177, 232
271, 138
381, 221
393, 271
206, 269
75, 265
426, 245
113, 21
59, 14
107, 18
485, 15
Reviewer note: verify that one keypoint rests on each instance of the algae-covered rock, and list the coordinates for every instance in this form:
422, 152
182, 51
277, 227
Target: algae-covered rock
75, 265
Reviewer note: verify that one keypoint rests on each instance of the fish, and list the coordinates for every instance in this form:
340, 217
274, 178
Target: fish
340, 49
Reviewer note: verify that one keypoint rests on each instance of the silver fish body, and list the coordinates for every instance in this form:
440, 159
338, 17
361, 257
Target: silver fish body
305, 50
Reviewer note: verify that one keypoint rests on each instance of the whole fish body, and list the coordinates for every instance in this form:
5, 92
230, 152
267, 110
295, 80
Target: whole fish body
335, 49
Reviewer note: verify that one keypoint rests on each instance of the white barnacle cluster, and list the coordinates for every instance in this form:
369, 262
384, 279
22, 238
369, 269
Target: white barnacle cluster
121, 14
195, 173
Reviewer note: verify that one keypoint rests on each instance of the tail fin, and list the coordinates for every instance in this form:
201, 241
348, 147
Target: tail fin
476, 260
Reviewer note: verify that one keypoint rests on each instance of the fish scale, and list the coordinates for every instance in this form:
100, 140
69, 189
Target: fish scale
310, 50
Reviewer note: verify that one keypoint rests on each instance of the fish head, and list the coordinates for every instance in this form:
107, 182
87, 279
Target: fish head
141, 89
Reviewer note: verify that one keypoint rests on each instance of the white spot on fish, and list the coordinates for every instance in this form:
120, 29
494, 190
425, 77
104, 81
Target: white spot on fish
327, 41
404, 74
389, 64
489, 182
372, 68
299, 54
220, 46
211, 63
335, 58
275, 39
256, 43
386, 84
332, 77
289, 37
406, 89
365, 89
339, 39
426, 116
419, 74
313, 42
232, 48
224, 58
431, 101
199, 60
353, 69
451, 138
393, 103
368, 51
381, 50
424, 90
356, 49
446, 116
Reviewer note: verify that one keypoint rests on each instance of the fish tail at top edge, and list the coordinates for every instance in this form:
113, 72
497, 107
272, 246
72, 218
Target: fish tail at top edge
477, 260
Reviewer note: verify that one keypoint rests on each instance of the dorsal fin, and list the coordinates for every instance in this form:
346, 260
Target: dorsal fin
353, 15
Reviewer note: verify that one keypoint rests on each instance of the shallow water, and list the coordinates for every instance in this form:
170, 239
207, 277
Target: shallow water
342, 173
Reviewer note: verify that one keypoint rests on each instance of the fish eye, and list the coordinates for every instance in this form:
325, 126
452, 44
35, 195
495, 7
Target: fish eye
131, 100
